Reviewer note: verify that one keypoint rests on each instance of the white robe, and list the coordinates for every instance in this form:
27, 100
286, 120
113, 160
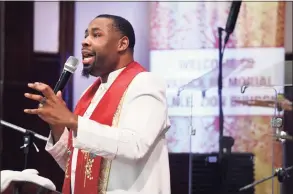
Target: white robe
137, 147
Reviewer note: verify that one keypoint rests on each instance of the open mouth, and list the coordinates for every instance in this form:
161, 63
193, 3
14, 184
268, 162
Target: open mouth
88, 57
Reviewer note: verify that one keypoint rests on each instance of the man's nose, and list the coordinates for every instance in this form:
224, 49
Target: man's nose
85, 42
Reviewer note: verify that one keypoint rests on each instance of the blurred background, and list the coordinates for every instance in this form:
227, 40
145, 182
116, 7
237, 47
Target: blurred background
178, 41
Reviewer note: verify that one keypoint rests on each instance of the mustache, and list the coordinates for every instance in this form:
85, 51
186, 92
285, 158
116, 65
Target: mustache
88, 51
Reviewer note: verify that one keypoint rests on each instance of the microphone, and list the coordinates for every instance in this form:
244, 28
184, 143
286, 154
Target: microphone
232, 17
69, 68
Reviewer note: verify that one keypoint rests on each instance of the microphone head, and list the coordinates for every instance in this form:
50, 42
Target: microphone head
71, 64
232, 17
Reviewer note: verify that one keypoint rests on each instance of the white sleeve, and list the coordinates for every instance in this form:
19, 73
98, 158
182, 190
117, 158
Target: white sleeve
143, 119
59, 150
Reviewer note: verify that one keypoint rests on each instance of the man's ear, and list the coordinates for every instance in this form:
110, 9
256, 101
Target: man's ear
123, 44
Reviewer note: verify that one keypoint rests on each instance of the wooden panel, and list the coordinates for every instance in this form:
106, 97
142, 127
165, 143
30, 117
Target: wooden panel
23, 66
18, 46
18, 39
2, 36
46, 69
289, 56
66, 43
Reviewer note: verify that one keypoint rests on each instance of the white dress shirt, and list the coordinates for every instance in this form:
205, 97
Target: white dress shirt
137, 147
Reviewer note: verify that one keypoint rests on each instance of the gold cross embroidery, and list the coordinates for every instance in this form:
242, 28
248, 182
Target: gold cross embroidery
67, 163
89, 157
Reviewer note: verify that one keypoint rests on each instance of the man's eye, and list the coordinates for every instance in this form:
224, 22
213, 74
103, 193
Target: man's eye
96, 35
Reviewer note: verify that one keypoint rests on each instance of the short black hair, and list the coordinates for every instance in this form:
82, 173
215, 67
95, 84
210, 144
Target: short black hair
123, 26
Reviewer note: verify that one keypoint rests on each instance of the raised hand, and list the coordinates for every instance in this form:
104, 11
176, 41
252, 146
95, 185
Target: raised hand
52, 108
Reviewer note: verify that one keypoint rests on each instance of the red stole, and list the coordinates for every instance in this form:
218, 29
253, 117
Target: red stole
88, 168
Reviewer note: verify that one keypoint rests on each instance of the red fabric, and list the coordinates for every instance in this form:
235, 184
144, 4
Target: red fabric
103, 113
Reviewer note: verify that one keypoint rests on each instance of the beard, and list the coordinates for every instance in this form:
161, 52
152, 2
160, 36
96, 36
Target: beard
87, 70
88, 66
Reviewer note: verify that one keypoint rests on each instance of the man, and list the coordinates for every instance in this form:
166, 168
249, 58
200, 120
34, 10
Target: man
114, 142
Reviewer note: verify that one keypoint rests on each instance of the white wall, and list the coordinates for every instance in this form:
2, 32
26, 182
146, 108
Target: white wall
46, 26
135, 12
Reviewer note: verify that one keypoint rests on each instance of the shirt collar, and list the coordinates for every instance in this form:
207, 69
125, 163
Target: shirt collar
112, 76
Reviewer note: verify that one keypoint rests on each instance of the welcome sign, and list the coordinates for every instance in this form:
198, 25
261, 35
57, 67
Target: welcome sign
184, 49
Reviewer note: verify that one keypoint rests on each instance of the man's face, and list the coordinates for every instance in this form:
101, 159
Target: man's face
99, 47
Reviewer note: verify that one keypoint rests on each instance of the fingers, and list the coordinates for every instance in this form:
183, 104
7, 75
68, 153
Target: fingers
41, 87
38, 98
34, 97
59, 96
32, 111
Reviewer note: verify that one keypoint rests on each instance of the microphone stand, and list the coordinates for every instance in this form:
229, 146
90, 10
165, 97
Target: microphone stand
220, 86
28, 139
192, 133
230, 25
281, 173
223, 140
221, 114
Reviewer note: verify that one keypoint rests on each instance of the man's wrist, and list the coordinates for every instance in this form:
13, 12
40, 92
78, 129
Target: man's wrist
56, 133
73, 122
